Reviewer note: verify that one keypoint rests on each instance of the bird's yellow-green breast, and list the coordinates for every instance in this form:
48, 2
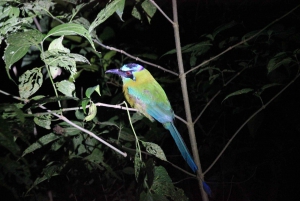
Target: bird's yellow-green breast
144, 92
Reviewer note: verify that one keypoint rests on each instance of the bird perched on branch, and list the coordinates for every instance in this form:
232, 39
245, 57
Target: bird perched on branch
143, 93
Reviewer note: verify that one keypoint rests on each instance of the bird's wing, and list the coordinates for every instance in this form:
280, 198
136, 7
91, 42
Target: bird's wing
152, 100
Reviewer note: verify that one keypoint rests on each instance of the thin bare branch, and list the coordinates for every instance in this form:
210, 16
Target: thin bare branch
242, 42
210, 101
71, 123
162, 12
133, 57
187, 107
255, 113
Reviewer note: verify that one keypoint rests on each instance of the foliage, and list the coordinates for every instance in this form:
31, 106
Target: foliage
58, 50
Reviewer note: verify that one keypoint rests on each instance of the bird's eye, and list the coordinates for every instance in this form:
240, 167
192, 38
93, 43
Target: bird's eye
128, 73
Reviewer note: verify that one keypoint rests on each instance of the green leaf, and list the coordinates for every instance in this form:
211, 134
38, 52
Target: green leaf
18, 45
70, 29
57, 45
278, 60
7, 138
31, 81
223, 28
97, 156
91, 90
43, 121
105, 13
62, 58
25, 39
13, 111
48, 172
107, 59
210, 68
69, 130
92, 112
46, 139
163, 187
66, 87
154, 149
16, 169
263, 88
149, 9
239, 92
135, 13
138, 165
57, 144
127, 135
120, 9
199, 48
39, 7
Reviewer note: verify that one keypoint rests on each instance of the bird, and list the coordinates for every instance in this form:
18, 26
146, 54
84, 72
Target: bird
146, 95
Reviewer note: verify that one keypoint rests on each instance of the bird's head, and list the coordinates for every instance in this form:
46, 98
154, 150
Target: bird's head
127, 71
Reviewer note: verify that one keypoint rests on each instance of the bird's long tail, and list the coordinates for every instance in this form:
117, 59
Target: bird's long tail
181, 145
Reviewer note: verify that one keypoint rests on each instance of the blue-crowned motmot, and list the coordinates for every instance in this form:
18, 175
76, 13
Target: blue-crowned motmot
143, 93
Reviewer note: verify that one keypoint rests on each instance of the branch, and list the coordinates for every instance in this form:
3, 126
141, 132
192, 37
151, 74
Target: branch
133, 57
72, 124
162, 12
255, 113
242, 42
187, 106
210, 101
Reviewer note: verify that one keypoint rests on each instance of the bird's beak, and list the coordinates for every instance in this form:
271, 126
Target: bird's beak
114, 71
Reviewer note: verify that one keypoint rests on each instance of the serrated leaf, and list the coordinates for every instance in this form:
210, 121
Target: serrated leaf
106, 12
66, 87
239, 92
43, 121
70, 29
154, 149
46, 139
31, 81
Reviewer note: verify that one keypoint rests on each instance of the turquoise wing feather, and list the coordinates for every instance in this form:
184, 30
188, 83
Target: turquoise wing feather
151, 100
